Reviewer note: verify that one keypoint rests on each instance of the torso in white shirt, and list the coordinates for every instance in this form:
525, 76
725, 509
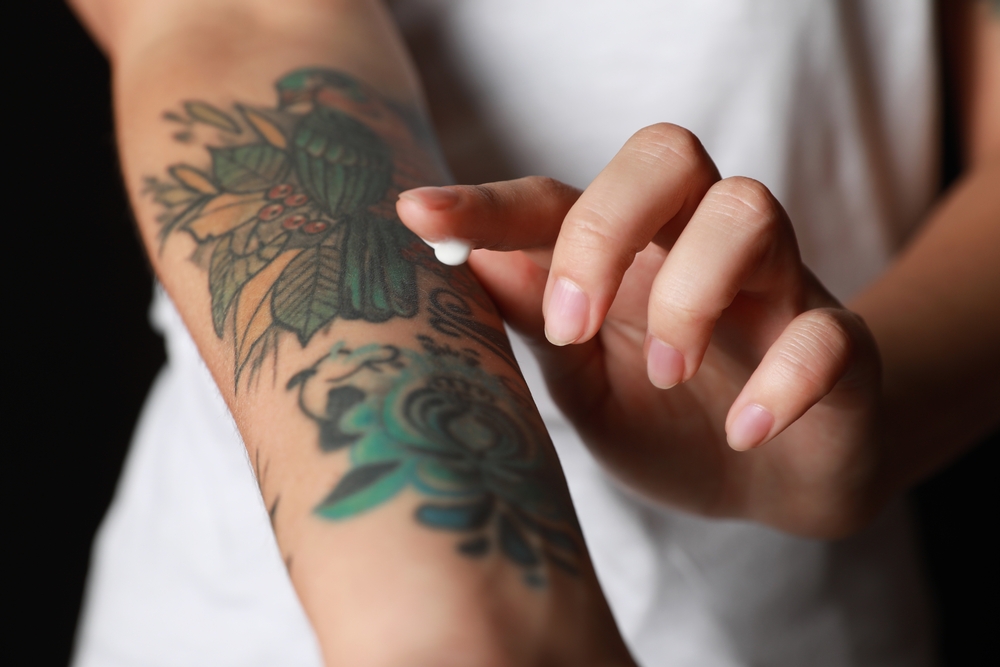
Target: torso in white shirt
829, 104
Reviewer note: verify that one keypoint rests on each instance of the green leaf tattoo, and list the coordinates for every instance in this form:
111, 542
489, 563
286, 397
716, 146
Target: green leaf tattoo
249, 168
306, 295
206, 113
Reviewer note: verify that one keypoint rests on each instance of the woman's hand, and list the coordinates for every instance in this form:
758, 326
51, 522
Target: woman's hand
700, 360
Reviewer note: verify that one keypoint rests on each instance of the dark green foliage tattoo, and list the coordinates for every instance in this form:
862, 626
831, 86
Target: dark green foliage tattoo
295, 213
435, 422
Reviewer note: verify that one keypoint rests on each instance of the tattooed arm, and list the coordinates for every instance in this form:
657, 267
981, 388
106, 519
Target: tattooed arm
411, 485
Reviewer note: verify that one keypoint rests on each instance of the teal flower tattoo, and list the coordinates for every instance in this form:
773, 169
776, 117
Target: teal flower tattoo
435, 422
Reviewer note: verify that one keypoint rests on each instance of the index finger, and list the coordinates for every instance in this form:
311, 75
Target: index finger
520, 214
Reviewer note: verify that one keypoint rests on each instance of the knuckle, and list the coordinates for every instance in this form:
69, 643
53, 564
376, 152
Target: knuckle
593, 234
749, 202
488, 195
666, 140
592, 229
826, 330
556, 196
793, 367
547, 185
680, 304
816, 352
660, 133
752, 193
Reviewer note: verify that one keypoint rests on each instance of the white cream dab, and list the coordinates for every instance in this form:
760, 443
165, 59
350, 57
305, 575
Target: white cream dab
452, 252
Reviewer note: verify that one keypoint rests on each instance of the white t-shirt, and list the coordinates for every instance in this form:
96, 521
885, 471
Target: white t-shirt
829, 104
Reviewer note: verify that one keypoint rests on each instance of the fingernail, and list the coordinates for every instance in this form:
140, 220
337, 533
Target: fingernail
566, 316
750, 427
664, 364
435, 199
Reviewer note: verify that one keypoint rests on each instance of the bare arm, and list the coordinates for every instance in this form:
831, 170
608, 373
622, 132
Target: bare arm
413, 490
936, 312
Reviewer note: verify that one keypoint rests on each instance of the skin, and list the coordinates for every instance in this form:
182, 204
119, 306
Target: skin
766, 317
670, 310
411, 485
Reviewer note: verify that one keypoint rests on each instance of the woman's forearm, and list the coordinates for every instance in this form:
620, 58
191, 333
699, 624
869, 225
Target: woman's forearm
413, 490
936, 316
936, 311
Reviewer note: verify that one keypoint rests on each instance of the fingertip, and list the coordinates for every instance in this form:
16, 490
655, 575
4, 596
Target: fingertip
664, 364
412, 213
428, 213
566, 313
750, 427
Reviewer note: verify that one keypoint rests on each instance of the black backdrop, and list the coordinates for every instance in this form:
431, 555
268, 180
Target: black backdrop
77, 287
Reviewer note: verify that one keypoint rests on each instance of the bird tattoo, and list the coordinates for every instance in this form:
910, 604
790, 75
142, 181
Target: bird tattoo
295, 221
347, 168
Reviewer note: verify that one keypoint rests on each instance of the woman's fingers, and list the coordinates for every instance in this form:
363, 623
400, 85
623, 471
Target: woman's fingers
646, 193
738, 242
509, 215
818, 350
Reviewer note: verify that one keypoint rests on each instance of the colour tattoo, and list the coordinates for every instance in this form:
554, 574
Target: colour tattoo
435, 422
293, 217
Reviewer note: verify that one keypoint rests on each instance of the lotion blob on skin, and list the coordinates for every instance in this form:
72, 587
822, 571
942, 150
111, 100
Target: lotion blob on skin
452, 252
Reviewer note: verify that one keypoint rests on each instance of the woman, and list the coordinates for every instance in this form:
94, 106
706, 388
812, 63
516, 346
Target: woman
830, 107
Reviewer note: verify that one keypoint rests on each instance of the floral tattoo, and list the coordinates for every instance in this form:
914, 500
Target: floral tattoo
293, 217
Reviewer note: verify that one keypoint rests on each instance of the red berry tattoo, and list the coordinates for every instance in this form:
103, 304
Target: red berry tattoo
270, 212
280, 191
293, 221
314, 227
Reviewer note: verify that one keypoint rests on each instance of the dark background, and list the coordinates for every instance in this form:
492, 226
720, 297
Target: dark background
77, 290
